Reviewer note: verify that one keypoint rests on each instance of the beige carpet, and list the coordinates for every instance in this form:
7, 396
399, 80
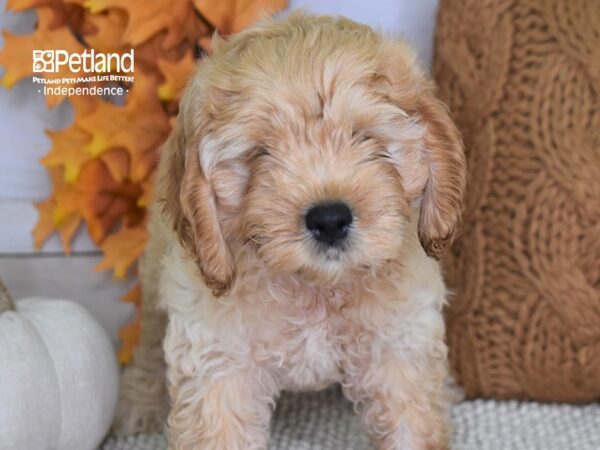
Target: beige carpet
325, 421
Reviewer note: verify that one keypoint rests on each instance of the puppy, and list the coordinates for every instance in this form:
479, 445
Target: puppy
310, 174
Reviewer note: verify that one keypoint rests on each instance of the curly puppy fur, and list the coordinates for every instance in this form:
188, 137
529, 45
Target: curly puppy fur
290, 114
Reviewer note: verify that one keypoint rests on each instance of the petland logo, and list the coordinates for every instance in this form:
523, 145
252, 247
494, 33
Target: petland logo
88, 61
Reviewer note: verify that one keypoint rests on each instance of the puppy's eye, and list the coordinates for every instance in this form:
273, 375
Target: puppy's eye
384, 154
360, 136
259, 152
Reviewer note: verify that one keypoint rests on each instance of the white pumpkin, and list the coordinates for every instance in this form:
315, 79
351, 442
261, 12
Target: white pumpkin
58, 376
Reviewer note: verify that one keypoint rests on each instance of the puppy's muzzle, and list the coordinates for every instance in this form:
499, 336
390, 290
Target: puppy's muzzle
329, 223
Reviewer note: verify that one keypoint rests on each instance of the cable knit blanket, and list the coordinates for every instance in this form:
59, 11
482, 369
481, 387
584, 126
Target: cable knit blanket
325, 421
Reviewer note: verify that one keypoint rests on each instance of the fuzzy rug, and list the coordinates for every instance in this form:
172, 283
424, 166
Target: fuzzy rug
325, 421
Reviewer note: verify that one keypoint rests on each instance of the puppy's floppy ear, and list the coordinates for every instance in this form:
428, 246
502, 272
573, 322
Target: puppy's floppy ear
442, 199
442, 150
189, 204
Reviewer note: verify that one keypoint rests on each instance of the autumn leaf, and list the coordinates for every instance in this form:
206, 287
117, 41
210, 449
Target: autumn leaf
148, 18
67, 229
117, 163
122, 249
67, 205
129, 336
16, 56
140, 127
67, 151
176, 76
68, 15
231, 16
185, 26
59, 11
147, 193
103, 202
22, 5
133, 296
46, 226
105, 31
54, 217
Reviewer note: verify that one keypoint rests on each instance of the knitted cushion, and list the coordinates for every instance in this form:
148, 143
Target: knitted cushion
522, 78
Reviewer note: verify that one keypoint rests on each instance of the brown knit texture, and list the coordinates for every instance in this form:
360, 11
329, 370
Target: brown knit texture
522, 78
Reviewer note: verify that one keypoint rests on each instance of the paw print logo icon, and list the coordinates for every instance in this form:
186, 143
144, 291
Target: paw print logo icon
43, 61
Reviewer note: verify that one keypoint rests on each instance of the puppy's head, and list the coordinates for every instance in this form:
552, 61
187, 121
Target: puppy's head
310, 140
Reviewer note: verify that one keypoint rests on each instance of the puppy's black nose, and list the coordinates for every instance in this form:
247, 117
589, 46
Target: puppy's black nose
329, 222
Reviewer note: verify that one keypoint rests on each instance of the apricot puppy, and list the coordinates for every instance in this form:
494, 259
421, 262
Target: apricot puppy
309, 176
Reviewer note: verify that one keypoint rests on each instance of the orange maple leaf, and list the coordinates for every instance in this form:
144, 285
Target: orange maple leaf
63, 219
133, 296
129, 336
67, 203
140, 127
147, 193
176, 76
149, 18
67, 151
67, 229
63, 12
22, 5
104, 32
231, 16
117, 163
130, 333
16, 56
185, 26
103, 202
122, 249
151, 51
46, 226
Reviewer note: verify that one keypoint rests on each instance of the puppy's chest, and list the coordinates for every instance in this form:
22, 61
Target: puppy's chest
303, 344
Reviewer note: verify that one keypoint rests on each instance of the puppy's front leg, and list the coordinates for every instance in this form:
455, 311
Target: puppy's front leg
218, 401
401, 397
